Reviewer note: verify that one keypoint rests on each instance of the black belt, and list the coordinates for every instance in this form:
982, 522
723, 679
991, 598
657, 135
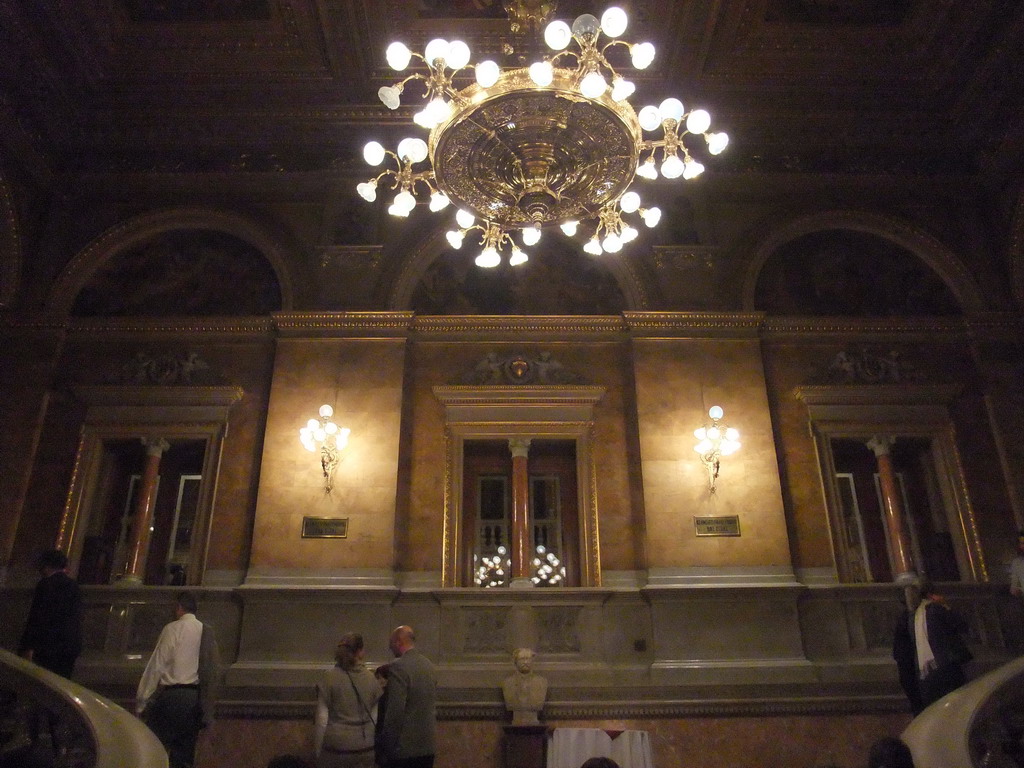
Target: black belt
186, 686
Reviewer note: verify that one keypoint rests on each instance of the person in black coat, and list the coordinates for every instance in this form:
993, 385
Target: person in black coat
53, 633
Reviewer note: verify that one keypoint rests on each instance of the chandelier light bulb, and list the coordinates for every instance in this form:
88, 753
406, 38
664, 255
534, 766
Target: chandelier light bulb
642, 54
586, 27
700, 433
671, 109
458, 54
629, 234
622, 89
390, 96
570, 227
398, 56
373, 153
614, 21
593, 85
692, 170
531, 235
518, 257
593, 247
717, 142
714, 433
312, 425
454, 238
698, 121
330, 428
629, 202
651, 217
412, 150
732, 434
672, 167
396, 210
423, 119
542, 73
464, 218
647, 169
341, 439
367, 190
612, 243
438, 201
716, 412
319, 435
326, 411
704, 446
487, 73
558, 35
650, 118
488, 258
436, 49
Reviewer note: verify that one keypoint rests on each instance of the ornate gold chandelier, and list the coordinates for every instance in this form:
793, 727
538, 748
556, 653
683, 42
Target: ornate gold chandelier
554, 143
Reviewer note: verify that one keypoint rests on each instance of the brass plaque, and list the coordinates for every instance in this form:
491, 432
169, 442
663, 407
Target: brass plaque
727, 525
325, 527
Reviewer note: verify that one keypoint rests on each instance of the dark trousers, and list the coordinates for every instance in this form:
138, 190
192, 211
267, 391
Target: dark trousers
423, 761
940, 682
173, 715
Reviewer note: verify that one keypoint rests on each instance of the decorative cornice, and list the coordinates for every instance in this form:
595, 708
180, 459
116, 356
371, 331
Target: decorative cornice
543, 325
232, 326
903, 326
689, 324
877, 394
513, 394
342, 324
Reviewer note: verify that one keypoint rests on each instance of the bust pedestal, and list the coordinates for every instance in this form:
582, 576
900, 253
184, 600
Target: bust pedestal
525, 746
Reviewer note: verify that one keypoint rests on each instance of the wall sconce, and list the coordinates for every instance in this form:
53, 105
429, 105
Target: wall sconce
714, 441
331, 438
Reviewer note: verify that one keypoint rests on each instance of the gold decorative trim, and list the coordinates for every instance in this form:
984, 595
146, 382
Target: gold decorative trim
781, 326
673, 324
226, 326
342, 323
517, 324
876, 394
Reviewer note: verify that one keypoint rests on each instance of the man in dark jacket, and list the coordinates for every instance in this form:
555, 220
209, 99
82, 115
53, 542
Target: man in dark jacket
53, 634
408, 735
939, 644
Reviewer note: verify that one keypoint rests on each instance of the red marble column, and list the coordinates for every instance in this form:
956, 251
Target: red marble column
520, 539
143, 517
892, 502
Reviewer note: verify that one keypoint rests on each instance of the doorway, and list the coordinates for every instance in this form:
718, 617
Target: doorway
867, 545
176, 509
552, 512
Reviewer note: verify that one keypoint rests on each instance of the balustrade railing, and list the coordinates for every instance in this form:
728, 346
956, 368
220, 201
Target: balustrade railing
46, 720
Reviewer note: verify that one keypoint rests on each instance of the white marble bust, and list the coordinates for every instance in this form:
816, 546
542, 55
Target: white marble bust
524, 690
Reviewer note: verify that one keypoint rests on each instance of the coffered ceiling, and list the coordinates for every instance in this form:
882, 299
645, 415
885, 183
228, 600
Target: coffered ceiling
914, 86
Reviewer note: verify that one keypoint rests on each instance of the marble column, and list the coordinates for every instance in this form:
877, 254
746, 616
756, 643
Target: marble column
892, 502
520, 538
142, 519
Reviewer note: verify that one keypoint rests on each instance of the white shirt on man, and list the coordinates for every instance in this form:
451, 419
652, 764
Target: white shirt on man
175, 660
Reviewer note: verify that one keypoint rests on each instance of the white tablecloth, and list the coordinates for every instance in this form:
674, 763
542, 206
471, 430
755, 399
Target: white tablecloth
571, 747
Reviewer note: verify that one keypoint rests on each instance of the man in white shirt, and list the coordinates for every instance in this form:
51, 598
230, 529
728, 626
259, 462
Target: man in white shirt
168, 699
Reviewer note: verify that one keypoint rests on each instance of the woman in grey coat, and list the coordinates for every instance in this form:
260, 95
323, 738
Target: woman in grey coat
346, 701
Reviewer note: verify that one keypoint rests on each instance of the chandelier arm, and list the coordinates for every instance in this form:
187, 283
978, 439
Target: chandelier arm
560, 54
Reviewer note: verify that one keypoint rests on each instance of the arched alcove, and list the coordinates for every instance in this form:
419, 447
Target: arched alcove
181, 261
558, 279
851, 263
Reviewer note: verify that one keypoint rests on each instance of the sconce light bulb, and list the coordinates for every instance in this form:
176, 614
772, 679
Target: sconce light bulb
716, 412
326, 411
